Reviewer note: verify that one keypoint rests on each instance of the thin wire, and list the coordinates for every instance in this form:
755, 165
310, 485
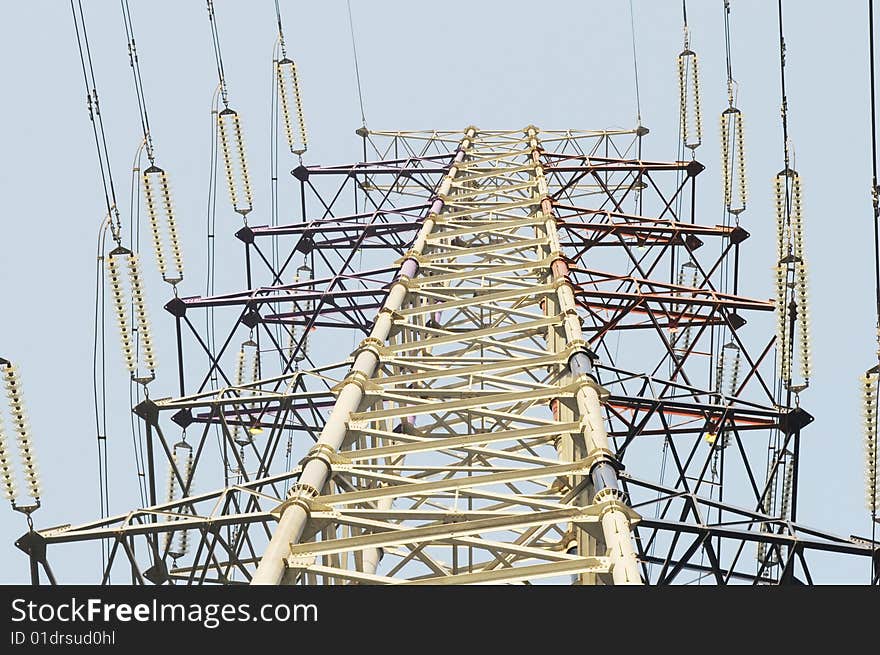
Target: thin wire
134, 218
218, 55
875, 190
785, 145
274, 138
632, 26
211, 228
784, 108
99, 389
134, 389
875, 199
94, 107
727, 52
357, 71
98, 362
280, 30
138, 80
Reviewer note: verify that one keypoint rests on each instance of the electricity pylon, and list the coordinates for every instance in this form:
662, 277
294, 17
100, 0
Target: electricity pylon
536, 332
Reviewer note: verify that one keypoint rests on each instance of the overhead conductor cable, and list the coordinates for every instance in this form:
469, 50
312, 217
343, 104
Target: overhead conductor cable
869, 388
792, 298
182, 455
869, 381
242, 365
235, 161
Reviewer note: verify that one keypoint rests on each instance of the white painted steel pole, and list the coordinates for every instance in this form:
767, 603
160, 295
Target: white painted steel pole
316, 470
616, 526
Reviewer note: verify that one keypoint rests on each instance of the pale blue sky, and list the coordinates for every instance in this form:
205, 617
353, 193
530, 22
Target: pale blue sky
500, 64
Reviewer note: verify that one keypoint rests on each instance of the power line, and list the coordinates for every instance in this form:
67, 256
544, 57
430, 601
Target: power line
280, 30
357, 71
784, 108
218, 55
875, 200
94, 107
111, 221
728, 56
138, 81
875, 190
632, 26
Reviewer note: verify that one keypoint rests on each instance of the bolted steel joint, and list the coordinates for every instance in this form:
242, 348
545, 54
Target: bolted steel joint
370, 344
604, 456
301, 494
356, 377
320, 451
585, 381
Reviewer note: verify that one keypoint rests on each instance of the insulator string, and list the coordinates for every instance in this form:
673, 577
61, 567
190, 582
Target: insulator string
231, 134
139, 324
792, 306
733, 158
156, 187
689, 92
182, 464
289, 91
787, 486
235, 161
289, 88
869, 388
687, 277
10, 488
870, 379
160, 212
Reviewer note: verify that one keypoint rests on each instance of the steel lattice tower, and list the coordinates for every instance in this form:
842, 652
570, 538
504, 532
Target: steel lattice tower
489, 426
